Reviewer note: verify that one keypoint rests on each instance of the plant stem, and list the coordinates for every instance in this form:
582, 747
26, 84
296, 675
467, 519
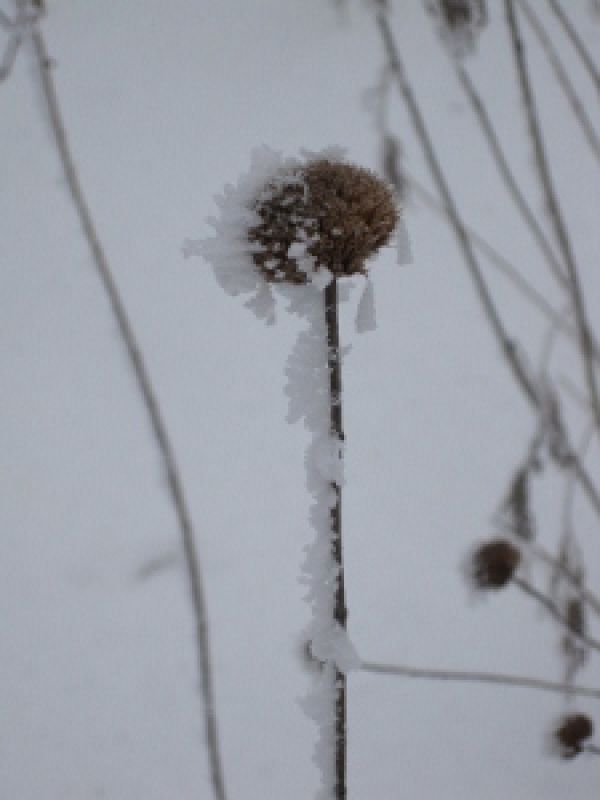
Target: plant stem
552, 608
507, 175
470, 676
150, 401
562, 77
583, 54
339, 602
550, 196
508, 347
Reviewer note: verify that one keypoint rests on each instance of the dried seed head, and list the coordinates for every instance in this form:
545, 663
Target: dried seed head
325, 214
572, 731
494, 564
459, 22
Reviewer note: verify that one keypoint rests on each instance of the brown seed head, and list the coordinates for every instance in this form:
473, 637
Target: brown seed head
336, 214
572, 731
494, 564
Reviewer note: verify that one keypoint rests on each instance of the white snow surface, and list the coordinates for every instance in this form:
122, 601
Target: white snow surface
163, 102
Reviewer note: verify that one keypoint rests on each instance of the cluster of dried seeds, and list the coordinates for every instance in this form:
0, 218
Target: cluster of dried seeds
325, 214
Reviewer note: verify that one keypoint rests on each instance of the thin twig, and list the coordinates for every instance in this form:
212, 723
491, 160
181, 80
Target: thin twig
468, 676
585, 594
508, 177
495, 257
562, 77
550, 606
154, 413
508, 347
569, 496
562, 236
575, 39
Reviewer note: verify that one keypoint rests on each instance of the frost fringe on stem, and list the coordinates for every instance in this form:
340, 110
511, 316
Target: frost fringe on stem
151, 404
301, 226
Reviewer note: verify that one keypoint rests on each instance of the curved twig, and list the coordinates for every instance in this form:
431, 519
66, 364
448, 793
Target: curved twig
153, 410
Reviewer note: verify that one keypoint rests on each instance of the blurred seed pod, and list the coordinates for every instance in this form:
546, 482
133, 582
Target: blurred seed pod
571, 732
494, 563
459, 22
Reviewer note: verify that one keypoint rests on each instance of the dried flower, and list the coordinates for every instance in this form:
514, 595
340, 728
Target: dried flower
325, 214
494, 564
571, 732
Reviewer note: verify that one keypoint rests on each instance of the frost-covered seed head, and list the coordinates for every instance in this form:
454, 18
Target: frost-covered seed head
572, 731
324, 214
494, 564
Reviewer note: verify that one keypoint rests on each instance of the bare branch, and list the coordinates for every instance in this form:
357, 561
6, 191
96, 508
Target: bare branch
154, 413
562, 78
575, 39
508, 347
470, 676
543, 169
508, 177
555, 612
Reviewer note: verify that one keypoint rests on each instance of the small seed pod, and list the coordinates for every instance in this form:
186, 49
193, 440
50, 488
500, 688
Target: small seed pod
459, 22
325, 214
573, 730
494, 564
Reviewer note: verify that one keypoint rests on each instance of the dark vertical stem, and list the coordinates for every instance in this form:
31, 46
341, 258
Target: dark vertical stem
339, 601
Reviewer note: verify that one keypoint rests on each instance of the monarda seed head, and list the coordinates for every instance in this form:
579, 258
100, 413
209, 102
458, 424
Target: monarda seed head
325, 214
494, 564
573, 730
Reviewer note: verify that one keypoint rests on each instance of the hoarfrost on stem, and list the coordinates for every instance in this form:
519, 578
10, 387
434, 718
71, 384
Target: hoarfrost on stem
308, 392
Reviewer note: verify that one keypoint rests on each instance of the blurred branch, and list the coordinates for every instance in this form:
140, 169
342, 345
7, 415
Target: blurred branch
497, 260
585, 594
575, 39
468, 676
508, 347
543, 169
152, 407
562, 77
507, 175
555, 612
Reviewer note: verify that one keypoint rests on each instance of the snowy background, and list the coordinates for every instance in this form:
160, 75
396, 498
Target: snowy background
163, 103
